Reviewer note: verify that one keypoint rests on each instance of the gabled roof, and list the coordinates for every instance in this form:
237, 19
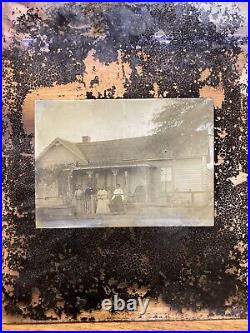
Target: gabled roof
70, 146
152, 147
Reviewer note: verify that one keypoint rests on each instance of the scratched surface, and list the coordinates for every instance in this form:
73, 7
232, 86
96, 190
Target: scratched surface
78, 51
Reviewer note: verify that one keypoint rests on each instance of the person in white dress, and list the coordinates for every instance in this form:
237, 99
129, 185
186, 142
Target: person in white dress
102, 202
78, 201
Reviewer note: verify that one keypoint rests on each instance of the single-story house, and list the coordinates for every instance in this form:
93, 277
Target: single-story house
151, 169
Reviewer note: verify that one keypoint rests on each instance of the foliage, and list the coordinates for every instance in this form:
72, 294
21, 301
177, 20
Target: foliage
185, 116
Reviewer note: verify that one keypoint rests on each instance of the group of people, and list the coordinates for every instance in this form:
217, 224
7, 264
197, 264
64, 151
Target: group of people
90, 201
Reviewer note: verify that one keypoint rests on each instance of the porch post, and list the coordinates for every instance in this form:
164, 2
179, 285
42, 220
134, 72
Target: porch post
126, 181
147, 183
96, 180
90, 174
70, 187
114, 172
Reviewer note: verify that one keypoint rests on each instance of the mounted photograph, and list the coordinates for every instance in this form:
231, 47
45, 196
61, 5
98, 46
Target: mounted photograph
124, 163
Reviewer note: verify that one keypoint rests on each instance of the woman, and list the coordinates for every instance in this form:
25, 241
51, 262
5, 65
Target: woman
102, 202
78, 201
117, 203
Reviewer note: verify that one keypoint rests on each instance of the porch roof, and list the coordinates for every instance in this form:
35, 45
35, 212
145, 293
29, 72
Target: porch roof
113, 166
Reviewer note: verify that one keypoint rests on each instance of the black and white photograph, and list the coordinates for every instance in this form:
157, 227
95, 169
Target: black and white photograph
124, 163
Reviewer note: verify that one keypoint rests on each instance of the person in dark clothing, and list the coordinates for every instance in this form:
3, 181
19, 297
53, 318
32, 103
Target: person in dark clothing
117, 202
88, 193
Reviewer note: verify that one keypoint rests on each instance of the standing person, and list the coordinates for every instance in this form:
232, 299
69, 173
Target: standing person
102, 202
78, 201
88, 199
117, 203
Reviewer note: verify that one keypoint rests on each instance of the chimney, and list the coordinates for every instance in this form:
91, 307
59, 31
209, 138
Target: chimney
85, 139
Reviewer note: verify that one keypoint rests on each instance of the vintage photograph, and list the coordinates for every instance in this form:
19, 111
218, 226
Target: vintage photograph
124, 163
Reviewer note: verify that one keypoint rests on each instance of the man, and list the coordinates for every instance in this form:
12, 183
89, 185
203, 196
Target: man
88, 205
117, 203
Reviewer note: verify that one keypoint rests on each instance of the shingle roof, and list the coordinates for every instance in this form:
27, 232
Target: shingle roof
142, 148
145, 148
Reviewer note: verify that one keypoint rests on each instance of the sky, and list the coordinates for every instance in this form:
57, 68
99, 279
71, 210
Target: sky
98, 119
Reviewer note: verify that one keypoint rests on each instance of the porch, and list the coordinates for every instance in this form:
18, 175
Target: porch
57, 197
134, 179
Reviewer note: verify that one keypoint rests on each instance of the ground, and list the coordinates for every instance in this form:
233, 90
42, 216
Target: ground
163, 216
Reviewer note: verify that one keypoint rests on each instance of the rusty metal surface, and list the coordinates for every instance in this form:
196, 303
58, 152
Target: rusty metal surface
78, 51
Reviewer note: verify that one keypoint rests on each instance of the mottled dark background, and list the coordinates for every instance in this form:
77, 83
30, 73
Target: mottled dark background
78, 51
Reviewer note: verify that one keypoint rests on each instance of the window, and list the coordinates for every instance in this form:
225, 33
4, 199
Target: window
166, 178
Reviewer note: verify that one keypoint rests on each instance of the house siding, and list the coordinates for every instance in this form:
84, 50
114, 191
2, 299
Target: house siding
185, 180
57, 155
188, 175
188, 182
